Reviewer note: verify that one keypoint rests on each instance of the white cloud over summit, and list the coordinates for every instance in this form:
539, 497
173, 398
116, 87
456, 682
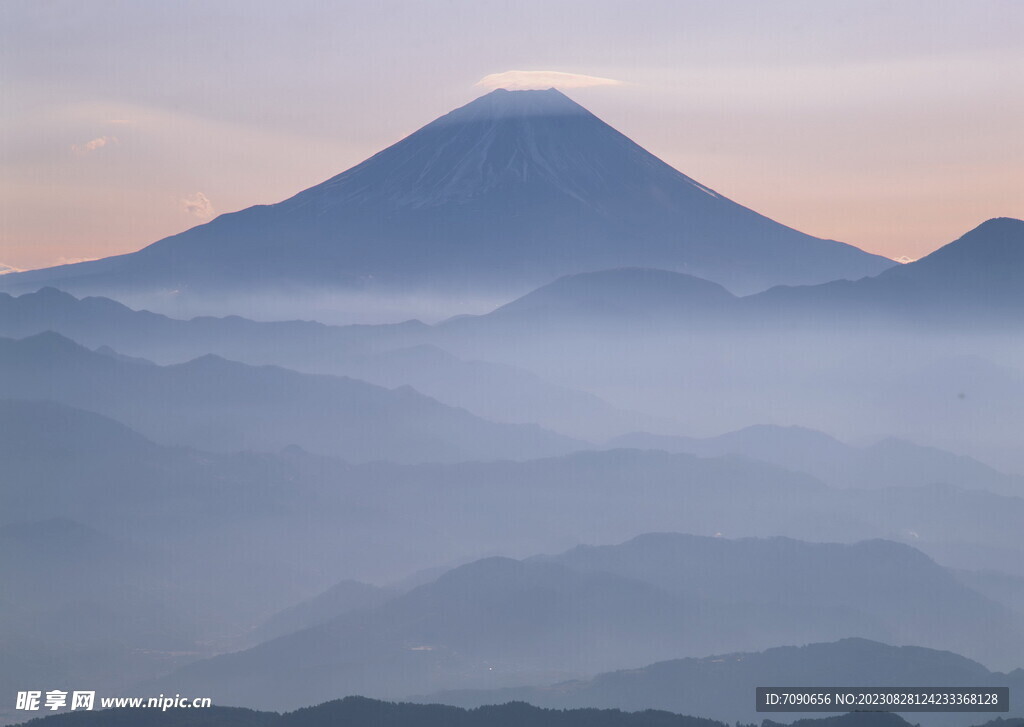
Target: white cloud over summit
525, 80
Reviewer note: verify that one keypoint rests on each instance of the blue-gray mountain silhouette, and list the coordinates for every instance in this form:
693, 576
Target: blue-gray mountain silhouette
890, 462
499, 621
223, 405
977, 280
501, 195
390, 355
722, 686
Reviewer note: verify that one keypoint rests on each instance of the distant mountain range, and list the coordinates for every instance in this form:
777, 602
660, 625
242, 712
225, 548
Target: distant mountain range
982, 273
221, 405
62, 462
600, 354
499, 621
975, 281
723, 686
495, 198
176, 516
887, 463
607, 299
389, 355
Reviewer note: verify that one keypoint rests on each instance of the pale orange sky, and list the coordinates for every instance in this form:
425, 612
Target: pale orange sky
891, 126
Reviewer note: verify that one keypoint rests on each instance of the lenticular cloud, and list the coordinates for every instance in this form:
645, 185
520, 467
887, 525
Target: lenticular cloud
528, 80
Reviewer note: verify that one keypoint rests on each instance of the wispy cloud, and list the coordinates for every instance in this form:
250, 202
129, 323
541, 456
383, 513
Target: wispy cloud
524, 80
198, 205
903, 259
90, 146
4, 269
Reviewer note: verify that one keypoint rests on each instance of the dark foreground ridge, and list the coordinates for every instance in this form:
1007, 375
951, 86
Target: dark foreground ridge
362, 712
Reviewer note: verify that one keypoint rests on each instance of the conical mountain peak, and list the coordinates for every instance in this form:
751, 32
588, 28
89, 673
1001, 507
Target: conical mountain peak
526, 147
503, 103
495, 198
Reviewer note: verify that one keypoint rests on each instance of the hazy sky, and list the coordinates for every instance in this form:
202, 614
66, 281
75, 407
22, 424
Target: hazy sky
895, 126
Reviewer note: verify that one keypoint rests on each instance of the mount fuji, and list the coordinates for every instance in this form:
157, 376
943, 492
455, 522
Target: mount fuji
493, 199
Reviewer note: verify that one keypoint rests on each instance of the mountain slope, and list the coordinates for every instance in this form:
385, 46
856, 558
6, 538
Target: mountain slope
987, 261
869, 586
487, 623
889, 462
499, 621
722, 687
501, 195
220, 405
978, 279
298, 512
386, 355
612, 302
98, 321
341, 598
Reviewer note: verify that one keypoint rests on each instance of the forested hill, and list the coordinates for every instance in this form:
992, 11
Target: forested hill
362, 712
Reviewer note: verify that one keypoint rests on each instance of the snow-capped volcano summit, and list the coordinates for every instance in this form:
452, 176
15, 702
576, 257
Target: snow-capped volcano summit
497, 197
502, 142
508, 142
